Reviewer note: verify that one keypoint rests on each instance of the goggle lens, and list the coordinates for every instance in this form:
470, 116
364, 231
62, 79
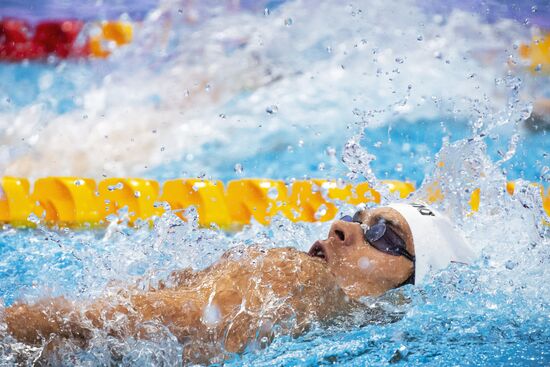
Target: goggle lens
382, 237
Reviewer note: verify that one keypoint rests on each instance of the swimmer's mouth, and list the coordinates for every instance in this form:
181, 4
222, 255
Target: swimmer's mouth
318, 250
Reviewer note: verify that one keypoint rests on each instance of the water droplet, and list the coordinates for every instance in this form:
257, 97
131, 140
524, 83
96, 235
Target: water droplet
321, 166
273, 109
211, 316
79, 182
33, 218
510, 264
363, 263
272, 193
290, 149
162, 149
438, 19
329, 49
267, 12
399, 60
162, 204
526, 112
321, 211
538, 67
331, 152
238, 168
300, 143
288, 22
207, 88
419, 37
358, 159
438, 55
118, 186
137, 194
534, 9
378, 144
399, 167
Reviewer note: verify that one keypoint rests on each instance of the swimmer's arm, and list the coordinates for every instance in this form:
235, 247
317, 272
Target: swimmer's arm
33, 323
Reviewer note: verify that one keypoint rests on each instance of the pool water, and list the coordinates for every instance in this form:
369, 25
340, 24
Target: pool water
362, 91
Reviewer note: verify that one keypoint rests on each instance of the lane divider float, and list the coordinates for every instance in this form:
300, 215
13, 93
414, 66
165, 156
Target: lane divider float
63, 39
537, 53
81, 202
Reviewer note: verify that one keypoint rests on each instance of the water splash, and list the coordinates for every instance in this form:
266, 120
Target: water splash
159, 83
190, 88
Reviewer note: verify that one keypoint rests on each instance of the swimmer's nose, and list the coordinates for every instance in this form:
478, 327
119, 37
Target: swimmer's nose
345, 233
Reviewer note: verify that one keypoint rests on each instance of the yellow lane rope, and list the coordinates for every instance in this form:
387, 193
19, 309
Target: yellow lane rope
113, 33
537, 53
75, 201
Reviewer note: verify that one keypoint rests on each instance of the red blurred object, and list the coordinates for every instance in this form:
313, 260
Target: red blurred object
55, 38
14, 40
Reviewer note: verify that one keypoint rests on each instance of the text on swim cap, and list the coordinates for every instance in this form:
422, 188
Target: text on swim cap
422, 209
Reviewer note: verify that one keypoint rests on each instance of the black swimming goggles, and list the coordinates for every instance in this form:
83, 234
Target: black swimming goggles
382, 237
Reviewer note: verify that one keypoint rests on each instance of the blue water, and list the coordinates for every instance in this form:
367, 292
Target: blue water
457, 319
403, 151
281, 95
447, 331
403, 148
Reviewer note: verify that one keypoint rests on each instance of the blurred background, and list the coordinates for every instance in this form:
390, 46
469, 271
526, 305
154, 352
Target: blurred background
226, 89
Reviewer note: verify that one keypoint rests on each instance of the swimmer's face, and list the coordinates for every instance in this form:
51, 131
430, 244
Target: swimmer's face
361, 269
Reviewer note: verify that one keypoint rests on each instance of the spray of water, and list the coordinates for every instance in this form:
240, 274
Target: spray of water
304, 75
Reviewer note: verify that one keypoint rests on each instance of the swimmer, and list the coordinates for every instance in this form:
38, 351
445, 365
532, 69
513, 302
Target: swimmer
252, 294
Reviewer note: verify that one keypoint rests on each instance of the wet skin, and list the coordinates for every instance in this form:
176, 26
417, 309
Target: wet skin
247, 297
360, 269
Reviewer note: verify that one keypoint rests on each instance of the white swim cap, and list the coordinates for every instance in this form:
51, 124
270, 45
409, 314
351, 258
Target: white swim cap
436, 242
